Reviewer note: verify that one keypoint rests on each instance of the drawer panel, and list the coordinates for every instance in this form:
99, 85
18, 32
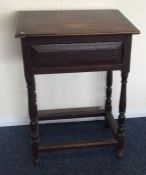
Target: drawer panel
76, 54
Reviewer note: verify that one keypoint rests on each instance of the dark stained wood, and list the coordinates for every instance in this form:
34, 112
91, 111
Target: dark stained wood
32, 105
112, 123
127, 53
68, 54
44, 57
74, 69
108, 105
107, 142
70, 113
75, 41
33, 117
73, 22
121, 119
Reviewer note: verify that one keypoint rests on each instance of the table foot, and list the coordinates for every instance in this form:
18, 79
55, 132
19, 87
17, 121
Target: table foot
36, 161
120, 154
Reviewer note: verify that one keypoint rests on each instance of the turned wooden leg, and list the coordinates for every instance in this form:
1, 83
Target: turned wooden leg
121, 118
108, 104
33, 118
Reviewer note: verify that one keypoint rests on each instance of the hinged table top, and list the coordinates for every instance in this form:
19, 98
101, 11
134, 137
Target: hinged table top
73, 22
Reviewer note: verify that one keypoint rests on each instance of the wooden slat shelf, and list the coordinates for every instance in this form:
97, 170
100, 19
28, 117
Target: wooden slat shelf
70, 113
49, 147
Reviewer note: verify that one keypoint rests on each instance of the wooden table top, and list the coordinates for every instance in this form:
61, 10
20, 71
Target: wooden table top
73, 22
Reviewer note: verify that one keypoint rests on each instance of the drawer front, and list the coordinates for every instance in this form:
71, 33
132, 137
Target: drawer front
77, 54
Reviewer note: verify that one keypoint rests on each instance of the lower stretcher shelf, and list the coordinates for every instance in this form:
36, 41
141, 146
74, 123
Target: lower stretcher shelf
49, 147
70, 113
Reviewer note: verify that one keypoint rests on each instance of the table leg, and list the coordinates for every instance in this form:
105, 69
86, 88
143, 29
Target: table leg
108, 105
121, 118
33, 117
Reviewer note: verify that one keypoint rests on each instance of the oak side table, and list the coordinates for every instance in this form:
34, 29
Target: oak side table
76, 41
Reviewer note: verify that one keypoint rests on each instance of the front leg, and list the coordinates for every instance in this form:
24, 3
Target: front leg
33, 117
121, 118
108, 103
